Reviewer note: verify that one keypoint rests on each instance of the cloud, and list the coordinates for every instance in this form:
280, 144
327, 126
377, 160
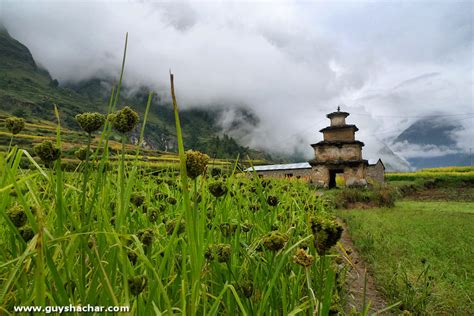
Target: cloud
416, 151
291, 62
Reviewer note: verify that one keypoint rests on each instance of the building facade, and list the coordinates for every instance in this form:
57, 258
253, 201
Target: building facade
376, 171
339, 153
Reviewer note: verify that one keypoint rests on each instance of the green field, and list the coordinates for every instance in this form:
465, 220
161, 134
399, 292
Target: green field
420, 253
447, 174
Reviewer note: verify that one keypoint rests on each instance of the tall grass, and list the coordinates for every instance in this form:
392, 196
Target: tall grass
160, 244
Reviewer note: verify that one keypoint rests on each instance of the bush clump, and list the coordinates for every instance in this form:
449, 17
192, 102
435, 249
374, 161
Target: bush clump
381, 196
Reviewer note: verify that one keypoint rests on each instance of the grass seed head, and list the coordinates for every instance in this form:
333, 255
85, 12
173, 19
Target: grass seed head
228, 229
17, 215
90, 122
303, 258
196, 163
152, 215
275, 241
170, 226
223, 252
26, 233
132, 257
217, 188
137, 199
160, 196
81, 153
146, 236
125, 120
209, 253
137, 284
326, 233
246, 226
216, 172
272, 200
14, 124
171, 200
254, 207
245, 287
47, 152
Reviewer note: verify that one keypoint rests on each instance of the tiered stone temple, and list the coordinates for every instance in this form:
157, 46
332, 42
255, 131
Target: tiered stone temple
339, 153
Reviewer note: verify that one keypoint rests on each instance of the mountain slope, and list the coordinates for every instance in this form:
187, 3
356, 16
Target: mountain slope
429, 143
429, 132
26, 90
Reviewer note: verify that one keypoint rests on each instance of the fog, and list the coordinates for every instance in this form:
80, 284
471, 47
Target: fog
388, 63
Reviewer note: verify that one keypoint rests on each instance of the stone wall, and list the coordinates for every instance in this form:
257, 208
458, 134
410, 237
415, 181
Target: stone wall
376, 172
297, 173
355, 176
319, 175
345, 152
339, 134
338, 121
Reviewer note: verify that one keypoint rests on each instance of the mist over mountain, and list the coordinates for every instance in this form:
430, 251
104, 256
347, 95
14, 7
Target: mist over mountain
433, 142
287, 63
29, 91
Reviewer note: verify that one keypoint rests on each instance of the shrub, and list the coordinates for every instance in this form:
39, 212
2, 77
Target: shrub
384, 197
379, 196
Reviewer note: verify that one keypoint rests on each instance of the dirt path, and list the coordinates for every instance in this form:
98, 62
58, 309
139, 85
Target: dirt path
356, 278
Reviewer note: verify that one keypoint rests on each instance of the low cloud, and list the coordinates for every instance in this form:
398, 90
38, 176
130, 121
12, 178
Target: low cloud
408, 150
290, 62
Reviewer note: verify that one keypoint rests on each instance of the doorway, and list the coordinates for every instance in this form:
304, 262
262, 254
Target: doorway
332, 177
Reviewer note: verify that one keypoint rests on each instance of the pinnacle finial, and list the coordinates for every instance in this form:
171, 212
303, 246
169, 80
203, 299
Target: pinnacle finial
338, 108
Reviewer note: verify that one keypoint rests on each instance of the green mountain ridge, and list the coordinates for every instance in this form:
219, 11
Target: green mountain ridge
27, 90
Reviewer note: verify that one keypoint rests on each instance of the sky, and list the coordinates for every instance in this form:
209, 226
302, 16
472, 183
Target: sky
388, 63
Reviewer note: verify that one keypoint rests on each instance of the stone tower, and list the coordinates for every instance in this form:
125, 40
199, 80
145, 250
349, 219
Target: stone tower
339, 153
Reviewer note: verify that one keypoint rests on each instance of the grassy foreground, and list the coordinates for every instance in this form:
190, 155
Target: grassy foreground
187, 243
420, 253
